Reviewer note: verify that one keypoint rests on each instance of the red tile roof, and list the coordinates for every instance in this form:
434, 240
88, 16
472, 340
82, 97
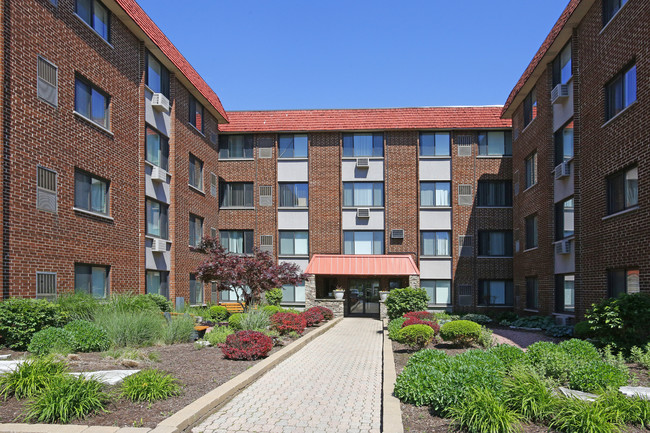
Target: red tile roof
330, 264
143, 21
366, 119
555, 31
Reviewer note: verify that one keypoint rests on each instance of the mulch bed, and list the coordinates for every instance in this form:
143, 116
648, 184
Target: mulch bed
420, 419
199, 371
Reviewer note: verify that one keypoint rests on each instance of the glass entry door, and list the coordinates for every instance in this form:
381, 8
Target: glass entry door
363, 297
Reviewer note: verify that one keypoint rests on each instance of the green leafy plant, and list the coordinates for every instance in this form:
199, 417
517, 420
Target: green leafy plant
418, 336
254, 320
426, 357
641, 355
578, 416
234, 321
614, 359
273, 296
30, 377
218, 335
149, 385
596, 376
21, 318
218, 313
179, 330
66, 398
271, 309
402, 301
625, 410
131, 328
51, 340
583, 330
529, 394
511, 356
394, 327
163, 304
485, 340
78, 306
87, 336
580, 349
481, 319
482, 412
461, 332
621, 322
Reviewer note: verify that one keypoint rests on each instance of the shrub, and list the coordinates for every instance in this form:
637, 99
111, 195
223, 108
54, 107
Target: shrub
254, 320
421, 315
270, 310
78, 306
394, 326
312, 317
559, 331
66, 398
129, 302
511, 356
641, 356
285, 323
87, 336
246, 345
402, 301
179, 330
596, 376
218, 335
130, 328
507, 316
415, 321
274, 296
218, 313
326, 312
485, 340
234, 321
623, 321
580, 350
550, 360
482, 412
21, 318
417, 335
530, 395
583, 330
578, 416
461, 332
481, 319
30, 377
163, 304
149, 385
51, 340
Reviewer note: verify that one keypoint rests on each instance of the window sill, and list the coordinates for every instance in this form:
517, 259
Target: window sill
235, 159
439, 305
616, 116
299, 158
530, 249
151, 237
612, 19
237, 208
568, 238
354, 208
435, 157
94, 31
435, 207
422, 256
623, 212
354, 158
152, 165
494, 306
531, 310
93, 123
289, 257
293, 207
527, 188
97, 214
200, 191
493, 207
565, 314
493, 156
494, 257
196, 129
526, 127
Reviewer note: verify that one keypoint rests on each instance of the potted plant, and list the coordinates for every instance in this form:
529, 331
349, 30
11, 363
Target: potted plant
383, 294
338, 292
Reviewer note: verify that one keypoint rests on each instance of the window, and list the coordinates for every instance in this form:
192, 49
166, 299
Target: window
291, 293
91, 103
294, 243
363, 144
531, 170
562, 66
46, 190
495, 243
495, 143
196, 114
158, 283
435, 243
46, 285
530, 107
623, 190
621, 281
157, 76
47, 82
91, 279
565, 293
564, 212
91, 193
620, 92
435, 194
293, 146
233, 295
157, 219
564, 144
236, 147
157, 149
438, 291
495, 292
236, 194
532, 293
363, 242
196, 230
531, 232
196, 290
294, 194
435, 144
495, 193
237, 241
611, 8
196, 172
95, 15
364, 194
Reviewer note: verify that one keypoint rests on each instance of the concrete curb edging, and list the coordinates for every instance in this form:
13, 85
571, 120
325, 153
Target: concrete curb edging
391, 411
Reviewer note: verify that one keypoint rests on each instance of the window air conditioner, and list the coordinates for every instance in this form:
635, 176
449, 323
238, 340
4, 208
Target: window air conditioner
562, 170
563, 247
559, 93
159, 102
159, 246
363, 212
363, 163
397, 234
158, 174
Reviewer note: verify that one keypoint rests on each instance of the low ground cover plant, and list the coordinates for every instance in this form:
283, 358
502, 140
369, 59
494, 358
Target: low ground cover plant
218, 335
246, 345
401, 301
461, 332
286, 323
481, 319
30, 377
530, 395
641, 355
482, 412
417, 335
149, 385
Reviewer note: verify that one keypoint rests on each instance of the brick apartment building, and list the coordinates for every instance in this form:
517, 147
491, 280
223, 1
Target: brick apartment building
117, 157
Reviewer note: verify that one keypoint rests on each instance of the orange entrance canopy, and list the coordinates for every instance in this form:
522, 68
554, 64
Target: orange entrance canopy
341, 264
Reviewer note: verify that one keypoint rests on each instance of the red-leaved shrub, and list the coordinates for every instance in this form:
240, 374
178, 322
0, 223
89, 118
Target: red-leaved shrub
416, 321
246, 345
422, 315
326, 312
287, 322
312, 317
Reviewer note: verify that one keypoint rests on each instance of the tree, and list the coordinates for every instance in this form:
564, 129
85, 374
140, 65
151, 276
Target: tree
258, 272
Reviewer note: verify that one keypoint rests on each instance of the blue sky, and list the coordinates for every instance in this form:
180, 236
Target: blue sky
297, 54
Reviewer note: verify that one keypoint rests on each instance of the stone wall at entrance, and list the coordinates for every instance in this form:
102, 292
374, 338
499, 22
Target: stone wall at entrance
414, 281
336, 305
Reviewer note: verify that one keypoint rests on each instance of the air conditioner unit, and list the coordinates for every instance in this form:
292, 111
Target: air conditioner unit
559, 93
562, 170
363, 163
158, 174
563, 247
397, 234
363, 212
159, 246
159, 102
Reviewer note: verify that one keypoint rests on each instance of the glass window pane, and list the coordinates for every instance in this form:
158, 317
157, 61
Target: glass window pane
497, 292
443, 292
442, 244
442, 144
482, 144
302, 194
154, 74
82, 277
378, 194
565, 62
496, 143
100, 19
82, 98
300, 293
427, 193
153, 147
83, 8
301, 243
348, 242
378, 145
285, 146
348, 145
427, 144
443, 194
630, 86
286, 243
569, 292
98, 281
429, 286
378, 243
153, 282
428, 246
348, 194
153, 218
363, 242
633, 281
363, 145
81, 191
288, 293
98, 114
363, 194
300, 146
632, 187
98, 196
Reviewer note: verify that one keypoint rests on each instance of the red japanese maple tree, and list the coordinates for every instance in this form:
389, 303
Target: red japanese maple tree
249, 275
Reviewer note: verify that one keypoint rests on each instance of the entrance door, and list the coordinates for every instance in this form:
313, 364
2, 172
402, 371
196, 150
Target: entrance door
363, 297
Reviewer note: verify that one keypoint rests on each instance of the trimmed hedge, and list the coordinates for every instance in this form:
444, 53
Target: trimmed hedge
417, 335
285, 323
461, 332
246, 345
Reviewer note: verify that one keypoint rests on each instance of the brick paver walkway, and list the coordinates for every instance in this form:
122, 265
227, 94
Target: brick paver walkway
333, 384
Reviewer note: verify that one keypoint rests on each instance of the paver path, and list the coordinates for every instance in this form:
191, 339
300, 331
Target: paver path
333, 384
